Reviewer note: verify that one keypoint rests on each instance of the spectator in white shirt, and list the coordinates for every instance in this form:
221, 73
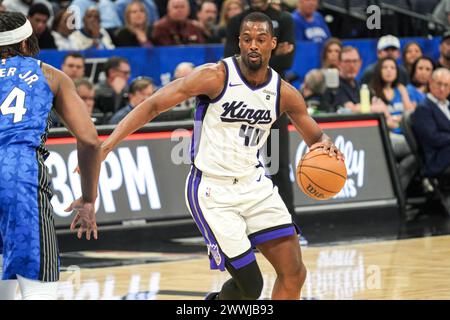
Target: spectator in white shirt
63, 27
91, 36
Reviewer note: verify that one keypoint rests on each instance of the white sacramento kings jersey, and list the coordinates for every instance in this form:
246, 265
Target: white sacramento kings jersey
230, 130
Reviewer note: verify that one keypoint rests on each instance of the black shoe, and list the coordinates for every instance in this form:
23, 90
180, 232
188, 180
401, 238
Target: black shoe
212, 296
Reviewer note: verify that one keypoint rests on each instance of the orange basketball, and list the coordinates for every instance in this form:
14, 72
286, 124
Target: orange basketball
320, 176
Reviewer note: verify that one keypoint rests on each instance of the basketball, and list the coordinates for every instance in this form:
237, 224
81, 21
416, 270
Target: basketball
320, 176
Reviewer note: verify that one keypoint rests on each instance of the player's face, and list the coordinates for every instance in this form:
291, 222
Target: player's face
256, 44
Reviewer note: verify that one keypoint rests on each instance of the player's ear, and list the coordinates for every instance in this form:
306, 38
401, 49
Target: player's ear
239, 42
274, 42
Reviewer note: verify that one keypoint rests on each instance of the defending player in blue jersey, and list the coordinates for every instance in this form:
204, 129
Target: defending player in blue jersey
29, 90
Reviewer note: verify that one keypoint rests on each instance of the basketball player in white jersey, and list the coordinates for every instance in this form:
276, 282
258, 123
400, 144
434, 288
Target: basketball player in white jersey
235, 206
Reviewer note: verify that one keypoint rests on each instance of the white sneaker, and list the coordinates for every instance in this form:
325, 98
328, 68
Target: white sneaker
302, 240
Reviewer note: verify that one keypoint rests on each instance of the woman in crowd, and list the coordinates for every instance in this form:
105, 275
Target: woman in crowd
137, 32
420, 78
92, 36
330, 53
62, 28
391, 98
230, 8
411, 52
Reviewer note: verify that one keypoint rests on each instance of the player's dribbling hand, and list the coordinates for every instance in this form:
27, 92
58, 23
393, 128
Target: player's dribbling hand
85, 214
328, 147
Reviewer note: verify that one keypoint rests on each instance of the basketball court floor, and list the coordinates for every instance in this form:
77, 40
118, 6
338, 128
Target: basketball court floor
413, 263
417, 268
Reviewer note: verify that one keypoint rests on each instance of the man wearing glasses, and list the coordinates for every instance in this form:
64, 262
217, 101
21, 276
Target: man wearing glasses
110, 94
431, 124
346, 96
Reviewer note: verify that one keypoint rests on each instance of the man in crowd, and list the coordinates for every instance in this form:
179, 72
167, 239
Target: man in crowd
207, 21
444, 51
140, 89
110, 94
431, 123
183, 69
309, 24
38, 16
73, 65
85, 90
387, 46
347, 94
176, 28
109, 17
24, 6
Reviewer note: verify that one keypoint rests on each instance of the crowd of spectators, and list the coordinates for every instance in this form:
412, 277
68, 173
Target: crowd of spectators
400, 80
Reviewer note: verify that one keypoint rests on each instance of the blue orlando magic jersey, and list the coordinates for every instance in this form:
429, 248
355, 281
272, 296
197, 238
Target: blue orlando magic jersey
25, 103
230, 130
26, 220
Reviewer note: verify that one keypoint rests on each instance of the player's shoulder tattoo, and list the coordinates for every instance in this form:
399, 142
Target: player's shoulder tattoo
51, 75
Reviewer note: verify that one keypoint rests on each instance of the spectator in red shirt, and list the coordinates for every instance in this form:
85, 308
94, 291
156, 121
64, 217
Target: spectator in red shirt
175, 28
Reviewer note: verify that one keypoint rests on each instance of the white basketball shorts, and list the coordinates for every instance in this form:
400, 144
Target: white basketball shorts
235, 215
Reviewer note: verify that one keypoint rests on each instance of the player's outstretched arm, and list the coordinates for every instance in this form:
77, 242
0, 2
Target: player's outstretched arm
205, 80
70, 107
294, 105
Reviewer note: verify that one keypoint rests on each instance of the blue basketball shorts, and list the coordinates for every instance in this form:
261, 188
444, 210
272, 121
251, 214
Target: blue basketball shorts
26, 217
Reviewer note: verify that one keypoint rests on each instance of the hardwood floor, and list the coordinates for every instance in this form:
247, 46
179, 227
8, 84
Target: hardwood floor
401, 269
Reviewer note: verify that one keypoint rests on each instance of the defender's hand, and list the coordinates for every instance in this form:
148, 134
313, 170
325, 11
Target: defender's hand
85, 214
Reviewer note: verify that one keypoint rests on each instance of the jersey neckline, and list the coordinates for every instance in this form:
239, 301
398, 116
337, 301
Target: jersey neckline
249, 85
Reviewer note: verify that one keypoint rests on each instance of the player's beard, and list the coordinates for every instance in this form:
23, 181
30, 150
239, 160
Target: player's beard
252, 65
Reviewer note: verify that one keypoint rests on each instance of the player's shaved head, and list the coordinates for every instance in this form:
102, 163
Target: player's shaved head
257, 17
256, 40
